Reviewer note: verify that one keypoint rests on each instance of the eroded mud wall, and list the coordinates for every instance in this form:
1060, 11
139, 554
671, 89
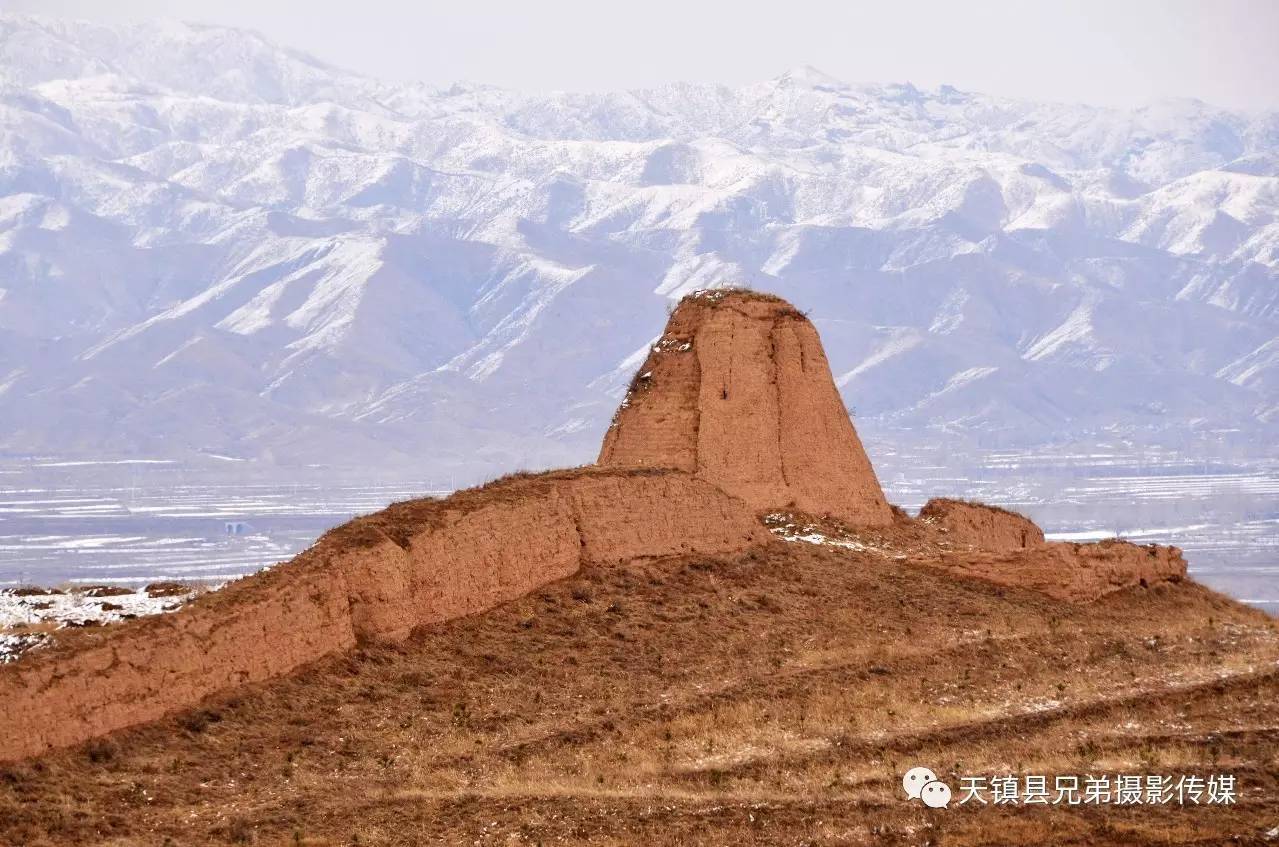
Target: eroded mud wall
738, 391
373, 578
979, 525
1075, 572
254, 630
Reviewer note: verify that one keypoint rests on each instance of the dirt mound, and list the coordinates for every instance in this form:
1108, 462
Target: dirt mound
738, 392
1073, 572
1007, 548
979, 525
975, 540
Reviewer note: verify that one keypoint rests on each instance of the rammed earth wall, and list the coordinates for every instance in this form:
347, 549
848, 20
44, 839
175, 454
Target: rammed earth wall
373, 578
738, 392
980, 525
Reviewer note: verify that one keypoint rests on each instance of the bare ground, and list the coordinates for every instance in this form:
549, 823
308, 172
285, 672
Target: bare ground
774, 697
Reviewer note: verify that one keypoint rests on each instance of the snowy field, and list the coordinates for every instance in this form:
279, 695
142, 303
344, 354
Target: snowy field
131, 524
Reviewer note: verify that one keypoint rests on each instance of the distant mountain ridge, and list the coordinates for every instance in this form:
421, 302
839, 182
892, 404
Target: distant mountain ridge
212, 243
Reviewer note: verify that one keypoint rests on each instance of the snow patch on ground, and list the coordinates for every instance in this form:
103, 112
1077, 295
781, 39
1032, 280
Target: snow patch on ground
27, 616
788, 528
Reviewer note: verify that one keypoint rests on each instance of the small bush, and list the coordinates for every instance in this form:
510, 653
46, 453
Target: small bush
101, 750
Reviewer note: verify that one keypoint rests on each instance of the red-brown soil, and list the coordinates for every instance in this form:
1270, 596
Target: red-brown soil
768, 697
625, 654
1072, 572
979, 525
972, 539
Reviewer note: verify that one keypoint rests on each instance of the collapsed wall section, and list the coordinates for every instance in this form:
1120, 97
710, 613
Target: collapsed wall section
1004, 547
979, 525
376, 577
1074, 572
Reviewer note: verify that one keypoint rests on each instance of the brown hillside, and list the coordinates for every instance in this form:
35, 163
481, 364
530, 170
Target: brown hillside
627, 653
737, 391
767, 697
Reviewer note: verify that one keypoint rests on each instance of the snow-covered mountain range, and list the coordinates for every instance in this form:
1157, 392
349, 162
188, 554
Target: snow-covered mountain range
211, 243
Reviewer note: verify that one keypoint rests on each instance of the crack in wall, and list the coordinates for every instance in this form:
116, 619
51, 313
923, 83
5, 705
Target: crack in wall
777, 400
732, 351
697, 405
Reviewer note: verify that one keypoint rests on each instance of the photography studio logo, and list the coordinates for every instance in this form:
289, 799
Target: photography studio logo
922, 784
1185, 789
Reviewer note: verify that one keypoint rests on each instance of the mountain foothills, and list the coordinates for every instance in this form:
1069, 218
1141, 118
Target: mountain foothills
210, 243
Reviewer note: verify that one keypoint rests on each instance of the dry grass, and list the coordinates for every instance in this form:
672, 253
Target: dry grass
772, 697
730, 296
940, 505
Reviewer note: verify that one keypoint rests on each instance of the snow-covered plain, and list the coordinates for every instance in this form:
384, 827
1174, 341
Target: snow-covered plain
218, 251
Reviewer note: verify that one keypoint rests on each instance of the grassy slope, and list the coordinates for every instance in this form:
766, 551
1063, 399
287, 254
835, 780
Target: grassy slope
774, 697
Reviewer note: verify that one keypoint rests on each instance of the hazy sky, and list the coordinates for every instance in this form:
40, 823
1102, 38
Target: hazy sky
1098, 51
